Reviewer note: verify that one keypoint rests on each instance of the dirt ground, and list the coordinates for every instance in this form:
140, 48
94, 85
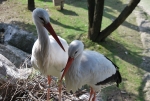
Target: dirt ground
143, 21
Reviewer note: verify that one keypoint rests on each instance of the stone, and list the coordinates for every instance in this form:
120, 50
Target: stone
9, 73
18, 57
19, 38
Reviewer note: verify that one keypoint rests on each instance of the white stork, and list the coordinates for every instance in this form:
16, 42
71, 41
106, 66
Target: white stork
47, 55
88, 67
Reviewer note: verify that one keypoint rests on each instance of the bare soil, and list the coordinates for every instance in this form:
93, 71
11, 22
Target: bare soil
143, 21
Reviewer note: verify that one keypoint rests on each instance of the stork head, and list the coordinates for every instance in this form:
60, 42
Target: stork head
41, 17
76, 48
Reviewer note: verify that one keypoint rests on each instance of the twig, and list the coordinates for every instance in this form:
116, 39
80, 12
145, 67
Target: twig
14, 94
33, 97
6, 92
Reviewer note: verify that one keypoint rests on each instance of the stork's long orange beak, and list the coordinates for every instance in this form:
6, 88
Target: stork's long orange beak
52, 32
69, 62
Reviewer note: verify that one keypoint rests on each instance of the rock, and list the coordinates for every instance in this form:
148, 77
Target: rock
8, 72
19, 38
16, 56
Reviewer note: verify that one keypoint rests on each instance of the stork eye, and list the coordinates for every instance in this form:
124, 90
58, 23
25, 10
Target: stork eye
42, 19
76, 52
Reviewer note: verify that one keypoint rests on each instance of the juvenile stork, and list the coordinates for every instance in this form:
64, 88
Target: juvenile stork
88, 67
49, 52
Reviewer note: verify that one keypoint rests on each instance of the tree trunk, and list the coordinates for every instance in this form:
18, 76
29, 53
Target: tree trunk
31, 5
95, 12
91, 5
118, 21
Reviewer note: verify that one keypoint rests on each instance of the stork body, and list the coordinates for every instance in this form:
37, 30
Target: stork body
48, 55
49, 58
88, 67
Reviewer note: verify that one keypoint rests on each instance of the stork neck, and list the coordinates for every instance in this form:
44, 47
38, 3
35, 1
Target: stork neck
42, 33
74, 75
44, 41
75, 67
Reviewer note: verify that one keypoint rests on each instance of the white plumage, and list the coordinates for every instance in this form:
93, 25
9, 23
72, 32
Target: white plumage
49, 59
88, 67
48, 55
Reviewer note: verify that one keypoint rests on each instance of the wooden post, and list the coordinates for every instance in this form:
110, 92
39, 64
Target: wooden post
59, 3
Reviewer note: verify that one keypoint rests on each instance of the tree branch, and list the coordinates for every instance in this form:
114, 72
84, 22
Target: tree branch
118, 21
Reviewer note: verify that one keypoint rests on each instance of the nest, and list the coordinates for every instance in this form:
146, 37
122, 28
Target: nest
35, 89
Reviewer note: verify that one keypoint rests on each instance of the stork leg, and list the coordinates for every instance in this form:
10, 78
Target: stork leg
59, 88
91, 93
94, 96
48, 90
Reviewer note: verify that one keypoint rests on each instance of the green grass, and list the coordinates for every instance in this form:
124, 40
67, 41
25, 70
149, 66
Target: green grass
72, 23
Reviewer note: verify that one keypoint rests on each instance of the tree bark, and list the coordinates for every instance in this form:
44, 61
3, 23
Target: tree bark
31, 5
118, 21
95, 12
91, 5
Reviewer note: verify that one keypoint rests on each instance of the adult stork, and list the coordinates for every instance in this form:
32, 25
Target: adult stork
88, 67
48, 52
